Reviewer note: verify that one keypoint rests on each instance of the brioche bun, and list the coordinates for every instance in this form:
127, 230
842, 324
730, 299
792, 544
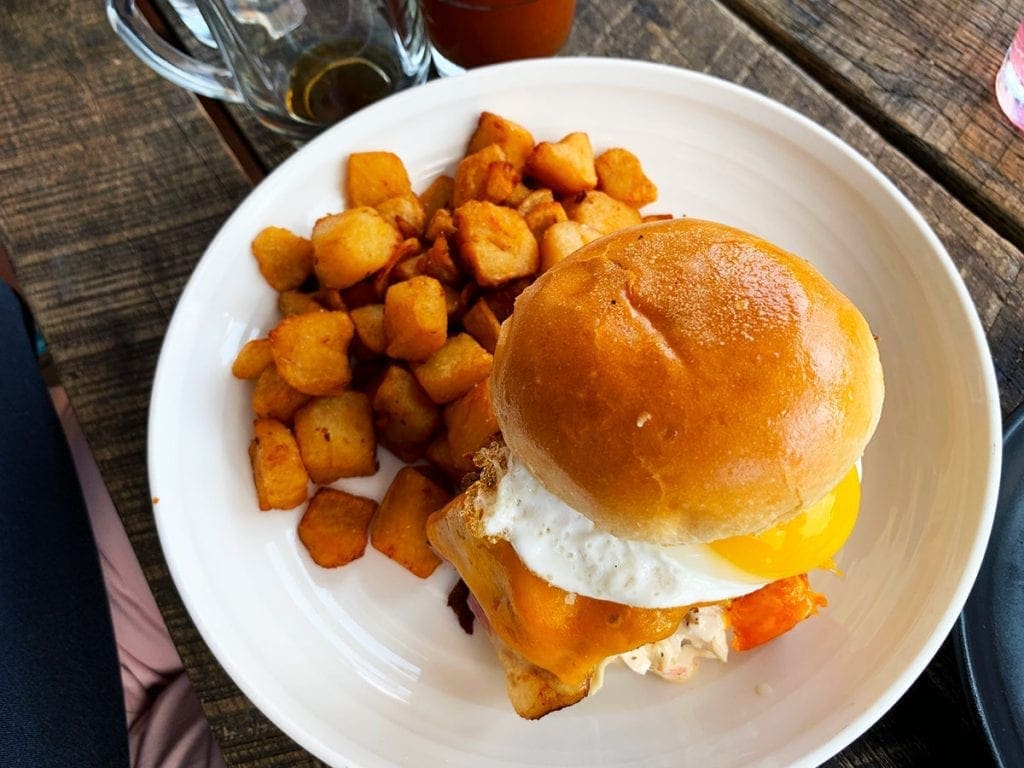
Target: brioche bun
684, 381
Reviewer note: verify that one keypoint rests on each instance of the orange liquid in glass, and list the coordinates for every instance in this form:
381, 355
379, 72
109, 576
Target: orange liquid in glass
471, 33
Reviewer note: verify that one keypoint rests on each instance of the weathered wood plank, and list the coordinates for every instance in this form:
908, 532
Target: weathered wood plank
922, 74
112, 182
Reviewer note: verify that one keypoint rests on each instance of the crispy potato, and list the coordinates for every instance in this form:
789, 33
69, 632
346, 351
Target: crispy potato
471, 425
311, 351
369, 324
336, 437
563, 238
452, 302
535, 198
542, 216
515, 141
439, 454
373, 177
352, 245
330, 298
252, 359
334, 528
438, 262
402, 253
502, 300
566, 167
410, 267
406, 416
620, 175
405, 213
452, 371
438, 195
285, 259
415, 318
441, 223
495, 243
500, 182
602, 212
277, 469
518, 195
482, 325
471, 174
274, 398
297, 303
360, 294
656, 217
399, 529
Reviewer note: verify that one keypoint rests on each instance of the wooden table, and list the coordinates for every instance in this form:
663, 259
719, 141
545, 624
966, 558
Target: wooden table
112, 182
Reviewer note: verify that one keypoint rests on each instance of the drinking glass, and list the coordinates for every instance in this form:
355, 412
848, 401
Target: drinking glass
300, 65
471, 33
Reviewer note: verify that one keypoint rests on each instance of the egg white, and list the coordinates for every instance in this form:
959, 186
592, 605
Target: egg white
565, 548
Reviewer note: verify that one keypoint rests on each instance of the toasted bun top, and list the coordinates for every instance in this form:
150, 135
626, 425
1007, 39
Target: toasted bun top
684, 381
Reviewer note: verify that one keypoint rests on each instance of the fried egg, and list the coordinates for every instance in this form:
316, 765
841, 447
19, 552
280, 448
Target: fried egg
564, 547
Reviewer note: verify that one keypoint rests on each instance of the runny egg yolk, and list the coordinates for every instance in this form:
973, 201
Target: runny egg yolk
807, 541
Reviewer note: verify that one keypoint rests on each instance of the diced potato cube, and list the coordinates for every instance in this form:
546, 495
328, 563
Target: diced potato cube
252, 359
471, 425
441, 223
284, 258
360, 294
415, 318
542, 216
297, 303
399, 529
373, 177
535, 198
438, 195
274, 398
351, 246
335, 527
452, 301
602, 212
500, 183
330, 298
495, 243
336, 437
515, 141
369, 323
439, 264
403, 252
452, 371
409, 268
482, 325
503, 299
562, 239
471, 174
620, 175
311, 351
406, 416
277, 469
439, 453
518, 195
405, 213
567, 167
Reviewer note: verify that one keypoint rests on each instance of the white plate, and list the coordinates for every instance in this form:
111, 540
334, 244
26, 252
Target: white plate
366, 666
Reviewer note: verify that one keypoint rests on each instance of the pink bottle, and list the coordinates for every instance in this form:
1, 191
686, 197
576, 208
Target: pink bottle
1010, 80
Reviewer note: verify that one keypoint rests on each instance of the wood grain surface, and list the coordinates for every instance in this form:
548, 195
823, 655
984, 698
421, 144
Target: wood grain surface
112, 182
923, 74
